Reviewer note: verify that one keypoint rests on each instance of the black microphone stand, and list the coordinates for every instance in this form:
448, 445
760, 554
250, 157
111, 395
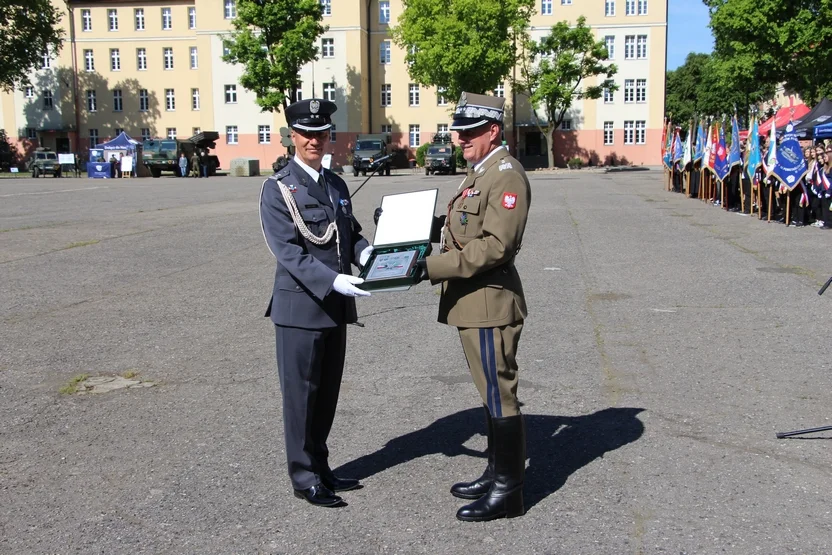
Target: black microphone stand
378, 165
781, 435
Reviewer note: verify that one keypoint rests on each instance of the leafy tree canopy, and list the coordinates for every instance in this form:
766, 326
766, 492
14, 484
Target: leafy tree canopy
458, 45
554, 70
273, 40
28, 29
777, 41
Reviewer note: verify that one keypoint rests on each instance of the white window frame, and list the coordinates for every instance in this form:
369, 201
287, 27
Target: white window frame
115, 59
299, 92
629, 91
47, 60
565, 2
384, 12
441, 99
641, 91
170, 100
329, 91
413, 95
641, 132
29, 91
566, 125
194, 55
642, 7
229, 9
609, 96
167, 56
31, 133
442, 129
93, 137
326, 8
112, 20
629, 132
138, 18
386, 94
92, 101
232, 136
609, 42
609, 8
144, 100
195, 101
48, 100
327, 48
145, 133
170, 132
333, 136
414, 135
387, 128
167, 19
609, 133
231, 94
384, 52
141, 59
630, 47
118, 101
89, 60
545, 7
196, 131
264, 134
86, 20
192, 17
641, 47
500, 91
629, 7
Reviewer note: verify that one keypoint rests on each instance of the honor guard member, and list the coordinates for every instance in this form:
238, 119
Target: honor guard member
309, 227
483, 297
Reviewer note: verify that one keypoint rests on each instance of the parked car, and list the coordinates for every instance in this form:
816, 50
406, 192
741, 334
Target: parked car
43, 161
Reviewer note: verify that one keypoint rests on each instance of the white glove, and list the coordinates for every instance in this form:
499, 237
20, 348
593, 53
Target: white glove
365, 256
346, 285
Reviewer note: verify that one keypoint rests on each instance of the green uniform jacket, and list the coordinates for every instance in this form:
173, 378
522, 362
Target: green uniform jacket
483, 231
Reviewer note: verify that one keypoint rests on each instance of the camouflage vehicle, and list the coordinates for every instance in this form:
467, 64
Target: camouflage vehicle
368, 149
162, 155
42, 162
440, 156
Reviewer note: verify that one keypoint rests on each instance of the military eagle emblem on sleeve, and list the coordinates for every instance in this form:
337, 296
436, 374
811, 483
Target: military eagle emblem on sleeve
509, 200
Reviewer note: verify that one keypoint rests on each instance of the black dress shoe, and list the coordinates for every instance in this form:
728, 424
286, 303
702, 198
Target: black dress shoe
319, 495
340, 484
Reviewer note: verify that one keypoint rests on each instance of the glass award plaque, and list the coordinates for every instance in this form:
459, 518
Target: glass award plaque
402, 237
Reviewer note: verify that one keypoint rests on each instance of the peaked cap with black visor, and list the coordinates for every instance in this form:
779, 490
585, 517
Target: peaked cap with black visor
474, 110
310, 115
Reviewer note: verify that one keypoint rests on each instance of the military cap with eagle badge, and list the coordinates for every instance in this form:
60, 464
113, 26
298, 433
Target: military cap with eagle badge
474, 110
312, 115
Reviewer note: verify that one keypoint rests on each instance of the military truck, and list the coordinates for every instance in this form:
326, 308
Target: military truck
162, 155
43, 161
368, 149
440, 156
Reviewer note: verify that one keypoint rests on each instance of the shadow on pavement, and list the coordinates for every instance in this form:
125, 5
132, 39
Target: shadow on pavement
557, 446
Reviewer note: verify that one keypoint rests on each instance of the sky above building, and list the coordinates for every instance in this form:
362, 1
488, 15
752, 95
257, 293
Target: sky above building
687, 31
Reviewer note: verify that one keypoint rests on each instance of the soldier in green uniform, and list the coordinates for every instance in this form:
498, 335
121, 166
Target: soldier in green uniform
483, 297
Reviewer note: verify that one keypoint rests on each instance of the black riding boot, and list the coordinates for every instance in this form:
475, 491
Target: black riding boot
505, 497
480, 486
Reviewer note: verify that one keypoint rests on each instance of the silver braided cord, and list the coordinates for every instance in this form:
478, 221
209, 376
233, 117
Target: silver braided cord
332, 228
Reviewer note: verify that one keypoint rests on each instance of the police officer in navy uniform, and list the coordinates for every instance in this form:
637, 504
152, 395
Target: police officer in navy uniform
309, 227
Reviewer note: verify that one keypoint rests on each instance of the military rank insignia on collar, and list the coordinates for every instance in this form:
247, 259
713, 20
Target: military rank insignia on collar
509, 200
505, 166
292, 188
344, 202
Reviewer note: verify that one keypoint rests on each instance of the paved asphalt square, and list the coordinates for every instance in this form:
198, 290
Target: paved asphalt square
667, 342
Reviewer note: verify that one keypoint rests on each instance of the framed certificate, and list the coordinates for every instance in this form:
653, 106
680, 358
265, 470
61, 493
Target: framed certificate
391, 265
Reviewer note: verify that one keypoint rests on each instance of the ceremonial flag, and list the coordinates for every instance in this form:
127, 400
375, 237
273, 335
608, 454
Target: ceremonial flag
754, 157
664, 139
771, 161
713, 141
700, 143
678, 149
721, 167
790, 165
668, 154
734, 156
687, 157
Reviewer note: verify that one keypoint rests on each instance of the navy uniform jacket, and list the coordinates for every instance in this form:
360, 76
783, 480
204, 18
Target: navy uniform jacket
303, 296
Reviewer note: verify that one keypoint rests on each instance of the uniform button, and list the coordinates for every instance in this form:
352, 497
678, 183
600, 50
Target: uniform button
464, 206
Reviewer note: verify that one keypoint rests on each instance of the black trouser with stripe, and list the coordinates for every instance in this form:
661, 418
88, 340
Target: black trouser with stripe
491, 359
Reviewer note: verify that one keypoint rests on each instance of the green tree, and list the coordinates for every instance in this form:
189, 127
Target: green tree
462, 45
553, 73
777, 41
28, 29
273, 40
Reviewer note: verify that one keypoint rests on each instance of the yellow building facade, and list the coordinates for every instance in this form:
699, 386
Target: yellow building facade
154, 69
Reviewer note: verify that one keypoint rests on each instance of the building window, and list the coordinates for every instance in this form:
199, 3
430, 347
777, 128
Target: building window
609, 8
299, 91
384, 12
545, 7
231, 134
414, 95
609, 96
48, 101
170, 100
565, 2
609, 133
230, 9
139, 17
47, 60
141, 59
609, 42
326, 7
93, 137
641, 90
642, 7
641, 47
194, 58
195, 100
384, 52
628, 132
168, 55
629, 7
386, 128
91, 105
641, 132
442, 129
566, 125
117, 101
415, 136
117, 131
31, 133
328, 48
386, 94
332, 134
500, 90
29, 92
89, 61
192, 18
264, 134
231, 94
629, 91
196, 130
629, 47
144, 100
225, 50
170, 132
329, 92
86, 20
441, 99
167, 19
145, 133
112, 18
115, 60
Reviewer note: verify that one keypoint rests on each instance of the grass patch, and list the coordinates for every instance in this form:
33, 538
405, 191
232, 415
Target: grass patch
81, 244
129, 374
72, 386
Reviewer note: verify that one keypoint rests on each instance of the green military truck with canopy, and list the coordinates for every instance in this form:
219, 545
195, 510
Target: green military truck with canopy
440, 156
368, 149
162, 155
